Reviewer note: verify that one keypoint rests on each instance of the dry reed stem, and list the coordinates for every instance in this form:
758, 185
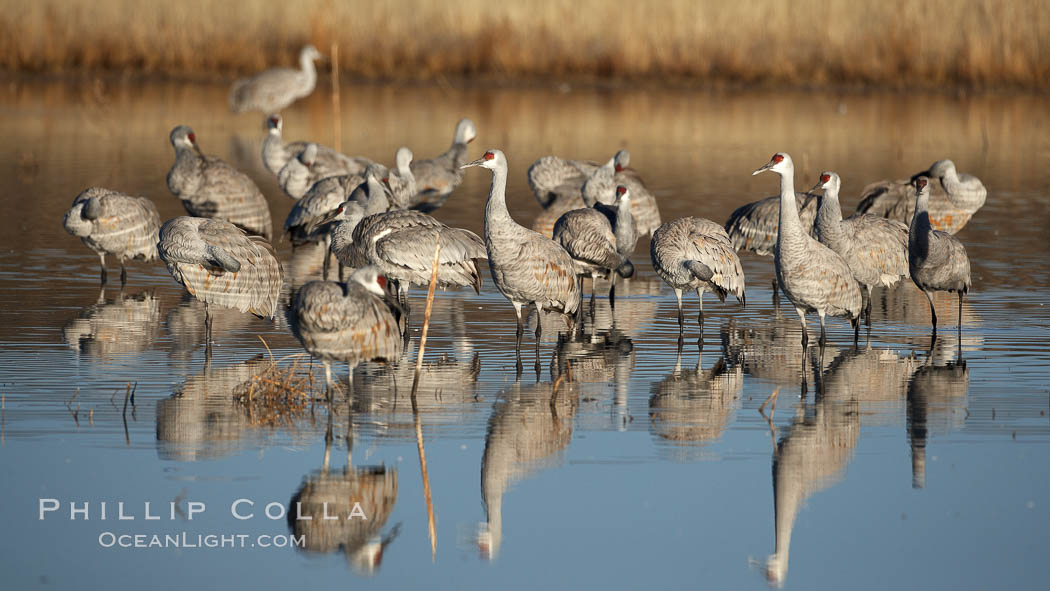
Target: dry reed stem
896, 42
337, 119
431, 528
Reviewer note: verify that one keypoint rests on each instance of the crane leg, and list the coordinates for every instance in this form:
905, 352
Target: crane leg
681, 317
123, 274
700, 318
521, 325
342, 273
102, 263
823, 337
579, 307
805, 335
960, 309
933, 312
328, 379
539, 315
776, 294
612, 291
866, 308
326, 265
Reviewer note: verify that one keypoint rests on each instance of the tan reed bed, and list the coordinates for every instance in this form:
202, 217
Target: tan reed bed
973, 43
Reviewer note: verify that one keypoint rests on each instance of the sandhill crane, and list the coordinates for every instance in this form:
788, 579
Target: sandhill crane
220, 265
401, 180
812, 276
937, 260
276, 153
588, 237
210, 188
437, 177
526, 267
109, 222
695, 253
272, 90
372, 194
348, 322
401, 244
600, 187
876, 249
554, 179
753, 227
303, 224
297, 175
953, 201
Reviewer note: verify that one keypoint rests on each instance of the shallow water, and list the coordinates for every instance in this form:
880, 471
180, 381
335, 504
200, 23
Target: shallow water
888, 465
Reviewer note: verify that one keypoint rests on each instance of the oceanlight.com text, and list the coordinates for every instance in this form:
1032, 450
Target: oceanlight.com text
184, 540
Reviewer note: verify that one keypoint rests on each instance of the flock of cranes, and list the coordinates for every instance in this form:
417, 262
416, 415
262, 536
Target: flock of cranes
377, 221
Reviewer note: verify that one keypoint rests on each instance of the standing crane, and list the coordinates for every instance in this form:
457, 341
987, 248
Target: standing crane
401, 244
437, 177
220, 265
526, 267
272, 90
753, 227
587, 235
109, 222
937, 260
696, 254
876, 249
813, 276
211, 188
349, 322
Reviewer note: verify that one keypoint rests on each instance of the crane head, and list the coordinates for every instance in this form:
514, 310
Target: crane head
780, 163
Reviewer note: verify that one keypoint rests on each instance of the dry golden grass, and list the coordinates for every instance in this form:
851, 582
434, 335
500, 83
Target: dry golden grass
975, 43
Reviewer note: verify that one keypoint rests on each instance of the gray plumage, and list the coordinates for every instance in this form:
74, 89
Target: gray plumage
372, 194
812, 276
695, 253
600, 187
328, 162
552, 178
272, 90
324, 197
298, 174
876, 249
953, 200
437, 177
588, 238
401, 244
937, 260
526, 267
346, 322
401, 180
544, 222
753, 227
210, 188
220, 265
109, 222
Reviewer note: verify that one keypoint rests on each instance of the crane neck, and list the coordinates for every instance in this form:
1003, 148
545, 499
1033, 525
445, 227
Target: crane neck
790, 225
919, 230
306, 63
829, 218
496, 206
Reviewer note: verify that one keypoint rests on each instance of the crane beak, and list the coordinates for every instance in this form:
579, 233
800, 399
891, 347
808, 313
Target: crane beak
763, 169
477, 162
817, 186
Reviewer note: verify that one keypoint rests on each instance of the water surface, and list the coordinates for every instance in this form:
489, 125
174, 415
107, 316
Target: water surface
892, 464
